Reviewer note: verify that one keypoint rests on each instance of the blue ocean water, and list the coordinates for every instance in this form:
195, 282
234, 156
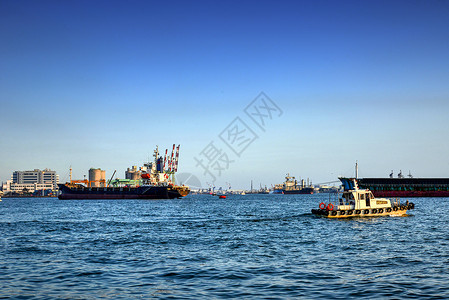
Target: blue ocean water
250, 247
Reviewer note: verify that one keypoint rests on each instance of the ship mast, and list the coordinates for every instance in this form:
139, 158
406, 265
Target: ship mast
176, 159
356, 170
165, 159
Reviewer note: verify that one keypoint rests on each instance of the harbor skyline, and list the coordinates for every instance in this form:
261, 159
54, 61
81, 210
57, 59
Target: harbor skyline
100, 84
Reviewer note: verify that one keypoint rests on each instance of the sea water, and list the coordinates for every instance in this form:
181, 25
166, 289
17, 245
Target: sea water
245, 246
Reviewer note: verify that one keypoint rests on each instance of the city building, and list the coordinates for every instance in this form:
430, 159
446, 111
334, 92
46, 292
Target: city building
31, 181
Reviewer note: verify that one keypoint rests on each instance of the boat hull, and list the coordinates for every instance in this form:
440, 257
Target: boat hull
337, 214
141, 192
307, 191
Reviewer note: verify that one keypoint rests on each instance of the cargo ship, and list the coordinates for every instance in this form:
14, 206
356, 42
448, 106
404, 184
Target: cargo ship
405, 186
291, 186
155, 180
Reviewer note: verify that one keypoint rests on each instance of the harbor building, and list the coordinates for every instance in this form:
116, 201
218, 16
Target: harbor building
133, 173
31, 181
97, 177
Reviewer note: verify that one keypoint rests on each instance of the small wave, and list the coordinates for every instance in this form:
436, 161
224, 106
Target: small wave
30, 250
91, 273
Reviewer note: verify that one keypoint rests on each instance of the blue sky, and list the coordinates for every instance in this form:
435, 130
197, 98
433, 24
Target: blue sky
100, 83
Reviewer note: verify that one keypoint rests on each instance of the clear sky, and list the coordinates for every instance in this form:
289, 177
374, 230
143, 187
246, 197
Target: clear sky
101, 83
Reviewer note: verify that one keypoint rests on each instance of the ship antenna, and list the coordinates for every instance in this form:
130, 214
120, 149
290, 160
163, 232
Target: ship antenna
356, 170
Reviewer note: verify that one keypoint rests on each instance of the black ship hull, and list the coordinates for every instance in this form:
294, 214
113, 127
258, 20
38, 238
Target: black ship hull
141, 192
306, 190
406, 187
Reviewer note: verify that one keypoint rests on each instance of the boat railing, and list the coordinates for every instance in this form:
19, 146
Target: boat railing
340, 202
396, 201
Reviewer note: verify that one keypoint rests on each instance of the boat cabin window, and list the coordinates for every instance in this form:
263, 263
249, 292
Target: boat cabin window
362, 196
347, 198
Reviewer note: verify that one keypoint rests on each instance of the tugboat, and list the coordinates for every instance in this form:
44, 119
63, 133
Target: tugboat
356, 202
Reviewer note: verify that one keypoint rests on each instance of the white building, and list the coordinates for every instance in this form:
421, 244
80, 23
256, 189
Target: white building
31, 181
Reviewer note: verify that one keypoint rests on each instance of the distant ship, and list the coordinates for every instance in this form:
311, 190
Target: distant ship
290, 186
261, 190
156, 182
405, 186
